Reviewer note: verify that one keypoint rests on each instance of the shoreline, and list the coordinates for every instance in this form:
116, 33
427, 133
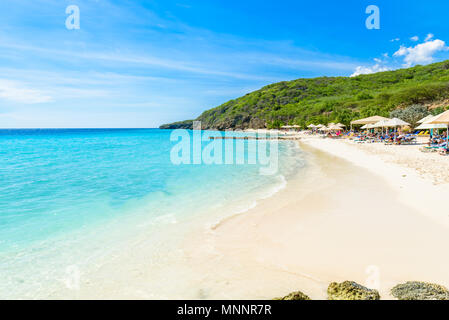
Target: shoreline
348, 215
153, 263
341, 219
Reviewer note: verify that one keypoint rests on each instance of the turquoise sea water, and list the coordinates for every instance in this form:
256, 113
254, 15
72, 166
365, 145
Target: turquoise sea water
68, 196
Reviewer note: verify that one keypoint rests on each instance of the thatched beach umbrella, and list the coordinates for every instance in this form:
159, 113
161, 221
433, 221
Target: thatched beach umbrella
426, 119
322, 128
312, 127
395, 122
373, 119
333, 127
368, 126
429, 125
369, 120
443, 119
380, 124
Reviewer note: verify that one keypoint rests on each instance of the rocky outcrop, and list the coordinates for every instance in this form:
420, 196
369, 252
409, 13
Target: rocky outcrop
178, 125
350, 290
297, 295
415, 290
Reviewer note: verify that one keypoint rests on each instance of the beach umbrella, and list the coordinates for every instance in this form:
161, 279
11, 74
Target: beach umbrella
426, 118
443, 118
395, 122
381, 124
341, 125
321, 126
333, 127
312, 127
368, 126
369, 120
429, 125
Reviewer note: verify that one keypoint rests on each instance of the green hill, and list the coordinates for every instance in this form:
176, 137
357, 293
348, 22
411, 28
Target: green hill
330, 99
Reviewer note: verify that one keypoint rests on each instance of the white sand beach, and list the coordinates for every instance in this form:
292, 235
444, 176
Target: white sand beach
367, 213
373, 214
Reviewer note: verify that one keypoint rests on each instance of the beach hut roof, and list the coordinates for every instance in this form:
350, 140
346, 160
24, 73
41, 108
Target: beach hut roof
426, 118
395, 122
441, 118
373, 119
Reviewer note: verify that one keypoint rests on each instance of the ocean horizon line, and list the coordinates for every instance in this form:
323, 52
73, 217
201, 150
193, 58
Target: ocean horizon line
82, 128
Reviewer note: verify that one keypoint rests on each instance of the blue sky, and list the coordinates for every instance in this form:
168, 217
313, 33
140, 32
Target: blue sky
144, 63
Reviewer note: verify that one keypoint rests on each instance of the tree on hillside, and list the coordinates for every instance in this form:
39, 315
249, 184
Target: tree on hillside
439, 110
335, 99
345, 116
411, 114
276, 124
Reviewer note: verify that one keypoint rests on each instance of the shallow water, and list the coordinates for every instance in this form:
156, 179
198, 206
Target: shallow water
72, 201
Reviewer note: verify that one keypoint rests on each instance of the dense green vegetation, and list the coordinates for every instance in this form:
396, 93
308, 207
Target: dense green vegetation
330, 99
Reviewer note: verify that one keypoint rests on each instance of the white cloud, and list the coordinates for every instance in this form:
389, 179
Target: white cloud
421, 53
429, 37
17, 92
395, 39
378, 67
415, 38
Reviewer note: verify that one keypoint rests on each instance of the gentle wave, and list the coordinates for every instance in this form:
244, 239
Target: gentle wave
271, 192
80, 197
